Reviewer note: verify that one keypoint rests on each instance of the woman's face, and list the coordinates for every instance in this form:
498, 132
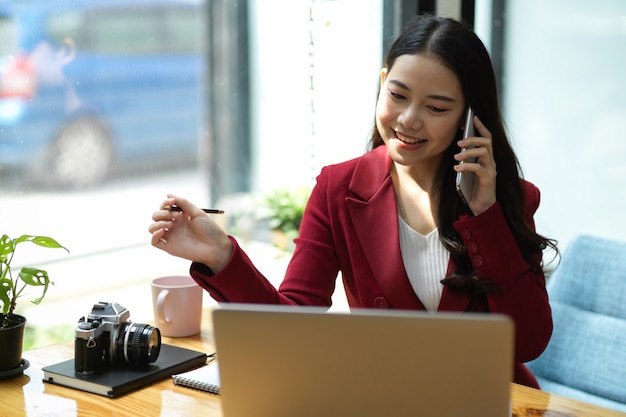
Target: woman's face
419, 110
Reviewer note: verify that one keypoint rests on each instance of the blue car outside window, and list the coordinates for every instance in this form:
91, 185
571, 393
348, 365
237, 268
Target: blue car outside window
89, 89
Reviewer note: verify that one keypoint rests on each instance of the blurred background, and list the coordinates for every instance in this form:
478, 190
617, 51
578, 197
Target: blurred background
108, 105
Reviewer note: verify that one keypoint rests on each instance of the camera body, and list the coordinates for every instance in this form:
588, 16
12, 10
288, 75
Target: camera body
107, 336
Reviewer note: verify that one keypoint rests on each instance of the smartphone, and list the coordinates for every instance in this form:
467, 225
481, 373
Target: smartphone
465, 180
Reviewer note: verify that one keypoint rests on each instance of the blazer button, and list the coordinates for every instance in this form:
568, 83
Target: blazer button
472, 247
479, 261
381, 302
466, 233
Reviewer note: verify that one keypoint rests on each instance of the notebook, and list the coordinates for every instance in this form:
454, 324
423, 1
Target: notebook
206, 378
282, 361
121, 379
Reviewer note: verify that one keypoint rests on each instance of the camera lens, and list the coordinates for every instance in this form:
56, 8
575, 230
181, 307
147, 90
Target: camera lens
137, 344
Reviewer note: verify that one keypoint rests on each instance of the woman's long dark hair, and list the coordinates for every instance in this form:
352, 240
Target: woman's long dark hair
458, 48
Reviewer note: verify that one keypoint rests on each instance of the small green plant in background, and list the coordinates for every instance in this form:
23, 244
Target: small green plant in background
286, 207
283, 208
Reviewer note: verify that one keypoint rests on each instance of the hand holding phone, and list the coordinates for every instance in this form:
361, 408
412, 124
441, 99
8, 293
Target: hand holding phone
465, 180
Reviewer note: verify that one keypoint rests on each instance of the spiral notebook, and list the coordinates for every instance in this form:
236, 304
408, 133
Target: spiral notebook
205, 378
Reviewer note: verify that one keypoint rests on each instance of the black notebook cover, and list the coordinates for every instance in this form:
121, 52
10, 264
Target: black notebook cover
121, 379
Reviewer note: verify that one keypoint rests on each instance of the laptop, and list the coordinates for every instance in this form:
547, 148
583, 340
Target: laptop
285, 361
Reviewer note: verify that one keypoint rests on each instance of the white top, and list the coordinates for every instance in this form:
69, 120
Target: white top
426, 262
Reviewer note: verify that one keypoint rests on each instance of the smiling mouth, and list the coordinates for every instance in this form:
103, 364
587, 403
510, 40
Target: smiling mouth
409, 141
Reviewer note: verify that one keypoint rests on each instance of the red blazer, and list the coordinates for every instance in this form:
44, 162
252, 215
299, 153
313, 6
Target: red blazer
351, 225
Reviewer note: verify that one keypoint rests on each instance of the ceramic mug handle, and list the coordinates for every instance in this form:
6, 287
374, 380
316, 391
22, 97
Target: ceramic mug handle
161, 306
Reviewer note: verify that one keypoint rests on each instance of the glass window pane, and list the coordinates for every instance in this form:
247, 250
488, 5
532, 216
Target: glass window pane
563, 98
123, 31
102, 112
8, 38
317, 80
110, 110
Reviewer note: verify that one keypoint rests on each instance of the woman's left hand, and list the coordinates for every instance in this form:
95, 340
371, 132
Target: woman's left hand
484, 191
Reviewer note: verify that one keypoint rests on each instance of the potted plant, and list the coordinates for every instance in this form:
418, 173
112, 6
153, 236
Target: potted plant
12, 286
284, 208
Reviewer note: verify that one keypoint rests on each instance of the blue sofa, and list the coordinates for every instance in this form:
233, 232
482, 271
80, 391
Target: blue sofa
586, 356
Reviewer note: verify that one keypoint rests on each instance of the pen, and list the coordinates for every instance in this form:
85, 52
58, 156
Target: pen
210, 211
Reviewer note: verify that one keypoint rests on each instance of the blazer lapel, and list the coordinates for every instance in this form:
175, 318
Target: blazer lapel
373, 211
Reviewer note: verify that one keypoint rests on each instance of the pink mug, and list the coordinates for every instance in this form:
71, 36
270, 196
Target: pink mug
177, 302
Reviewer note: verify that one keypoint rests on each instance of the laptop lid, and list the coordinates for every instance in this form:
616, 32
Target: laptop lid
282, 361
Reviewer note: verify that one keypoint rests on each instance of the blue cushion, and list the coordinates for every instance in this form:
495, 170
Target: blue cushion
592, 276
586, 356
565, 391
587, 352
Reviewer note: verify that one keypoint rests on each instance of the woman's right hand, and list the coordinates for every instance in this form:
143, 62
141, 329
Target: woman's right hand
190, 234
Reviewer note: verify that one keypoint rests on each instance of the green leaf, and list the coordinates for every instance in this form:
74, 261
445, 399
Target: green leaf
36, 278
6, 248
44, 241
6, 287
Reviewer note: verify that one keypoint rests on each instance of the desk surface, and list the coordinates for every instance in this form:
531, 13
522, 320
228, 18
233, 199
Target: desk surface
29, 396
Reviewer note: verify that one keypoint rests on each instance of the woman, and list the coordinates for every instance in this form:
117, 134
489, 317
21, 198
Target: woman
391, 220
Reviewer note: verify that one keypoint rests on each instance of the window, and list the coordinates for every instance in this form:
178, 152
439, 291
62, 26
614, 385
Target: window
101, 134
7, 34
144, 85
563, 95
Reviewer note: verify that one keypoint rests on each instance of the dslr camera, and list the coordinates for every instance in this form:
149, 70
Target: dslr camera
107, 336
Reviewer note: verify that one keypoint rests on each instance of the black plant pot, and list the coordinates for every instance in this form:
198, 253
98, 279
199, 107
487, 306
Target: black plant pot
11, 343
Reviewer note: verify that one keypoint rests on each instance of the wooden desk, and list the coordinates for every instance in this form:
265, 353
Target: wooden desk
29, 396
